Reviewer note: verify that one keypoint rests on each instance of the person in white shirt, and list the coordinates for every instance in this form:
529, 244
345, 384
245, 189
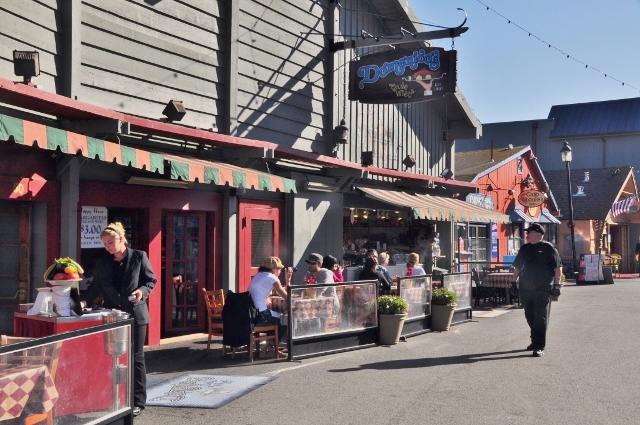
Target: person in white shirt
262, 285
413, 265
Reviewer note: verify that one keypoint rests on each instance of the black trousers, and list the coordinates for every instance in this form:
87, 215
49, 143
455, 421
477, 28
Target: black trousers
537, 307
139, 367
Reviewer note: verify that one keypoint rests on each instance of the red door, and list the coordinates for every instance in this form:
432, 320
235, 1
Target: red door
184, 278
259, 238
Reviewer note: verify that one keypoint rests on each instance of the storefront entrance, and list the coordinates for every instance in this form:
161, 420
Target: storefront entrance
184, 276
15, 251
259, 238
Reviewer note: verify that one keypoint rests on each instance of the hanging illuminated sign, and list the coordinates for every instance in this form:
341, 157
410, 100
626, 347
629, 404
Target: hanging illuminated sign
403, 76
532, 198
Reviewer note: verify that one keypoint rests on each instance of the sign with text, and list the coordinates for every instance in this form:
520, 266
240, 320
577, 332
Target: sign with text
532, 198
480, 200
403, 76
92, 222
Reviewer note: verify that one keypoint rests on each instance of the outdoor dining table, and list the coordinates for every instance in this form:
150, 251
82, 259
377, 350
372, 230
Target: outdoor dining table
499, 280
27, 388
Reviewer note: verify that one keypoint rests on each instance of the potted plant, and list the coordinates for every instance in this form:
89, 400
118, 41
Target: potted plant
443, 304
392, 311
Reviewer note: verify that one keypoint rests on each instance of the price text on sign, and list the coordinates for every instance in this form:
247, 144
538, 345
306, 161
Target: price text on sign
532, 198
92, 223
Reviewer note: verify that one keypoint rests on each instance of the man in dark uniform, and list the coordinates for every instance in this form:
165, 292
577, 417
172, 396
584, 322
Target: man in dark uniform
538, 265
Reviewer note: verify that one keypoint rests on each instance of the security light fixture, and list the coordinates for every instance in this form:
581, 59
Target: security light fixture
26, 64
341, 133
174, 111
409, 161
367, 158
446, 174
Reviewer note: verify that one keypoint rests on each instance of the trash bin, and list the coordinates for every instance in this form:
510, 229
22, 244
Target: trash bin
607, 274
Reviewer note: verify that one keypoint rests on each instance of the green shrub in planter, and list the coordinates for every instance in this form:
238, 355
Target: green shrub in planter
443, 296
392, 304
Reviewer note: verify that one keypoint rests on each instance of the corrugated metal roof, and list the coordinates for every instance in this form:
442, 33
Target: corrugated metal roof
471, 165
620, 116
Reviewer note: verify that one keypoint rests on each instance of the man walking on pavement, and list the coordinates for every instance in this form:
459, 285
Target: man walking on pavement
538, 265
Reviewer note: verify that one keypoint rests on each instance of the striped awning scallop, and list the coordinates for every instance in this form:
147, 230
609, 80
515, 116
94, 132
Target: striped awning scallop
188, 169
208, 171
46, 137
436, 207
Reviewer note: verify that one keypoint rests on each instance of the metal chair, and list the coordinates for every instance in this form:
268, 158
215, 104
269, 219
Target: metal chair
215, 303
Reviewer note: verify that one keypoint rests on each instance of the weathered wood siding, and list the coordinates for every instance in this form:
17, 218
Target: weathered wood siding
139, 55
391, 131
282, 73
32, 25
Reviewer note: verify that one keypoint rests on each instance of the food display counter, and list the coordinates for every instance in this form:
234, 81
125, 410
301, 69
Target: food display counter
94, 360
94, 367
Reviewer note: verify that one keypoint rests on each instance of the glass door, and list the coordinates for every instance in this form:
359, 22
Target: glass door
185, 247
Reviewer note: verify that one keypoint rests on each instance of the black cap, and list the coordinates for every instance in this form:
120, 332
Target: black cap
314, 258
535, 227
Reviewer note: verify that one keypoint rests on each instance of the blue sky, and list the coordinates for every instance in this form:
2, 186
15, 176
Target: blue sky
507, 75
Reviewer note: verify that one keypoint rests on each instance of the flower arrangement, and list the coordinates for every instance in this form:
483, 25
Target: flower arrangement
392, 304
443, 296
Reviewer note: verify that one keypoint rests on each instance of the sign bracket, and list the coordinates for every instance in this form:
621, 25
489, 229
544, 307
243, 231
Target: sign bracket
402, 39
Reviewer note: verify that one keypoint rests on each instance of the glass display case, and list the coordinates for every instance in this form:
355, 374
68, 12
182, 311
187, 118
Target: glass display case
325, 318
416, 291
46, 371
460, 283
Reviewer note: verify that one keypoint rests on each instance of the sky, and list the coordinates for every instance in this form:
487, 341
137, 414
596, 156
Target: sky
507, 75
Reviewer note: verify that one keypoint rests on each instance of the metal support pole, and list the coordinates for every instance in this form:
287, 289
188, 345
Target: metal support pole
573, 235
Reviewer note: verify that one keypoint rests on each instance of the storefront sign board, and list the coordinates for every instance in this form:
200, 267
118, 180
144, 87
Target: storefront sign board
92, 222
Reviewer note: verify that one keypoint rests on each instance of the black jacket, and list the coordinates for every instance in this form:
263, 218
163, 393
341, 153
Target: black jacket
238, 317
137, 275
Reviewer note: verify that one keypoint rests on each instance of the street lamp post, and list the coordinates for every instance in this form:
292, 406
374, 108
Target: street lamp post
566, 158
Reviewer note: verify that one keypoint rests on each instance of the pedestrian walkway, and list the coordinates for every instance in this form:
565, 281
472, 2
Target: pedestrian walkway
587, 376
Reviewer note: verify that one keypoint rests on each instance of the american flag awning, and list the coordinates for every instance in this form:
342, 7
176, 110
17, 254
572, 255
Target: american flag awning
182, 168
437, 207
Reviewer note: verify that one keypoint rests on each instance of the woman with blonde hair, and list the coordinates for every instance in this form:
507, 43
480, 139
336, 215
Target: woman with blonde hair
124, 281
413, 265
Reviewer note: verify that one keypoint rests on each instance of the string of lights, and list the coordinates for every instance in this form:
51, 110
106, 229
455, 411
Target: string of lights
551, 46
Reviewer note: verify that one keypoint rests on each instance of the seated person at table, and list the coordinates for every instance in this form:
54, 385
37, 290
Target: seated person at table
380, 268
261, 287
413, 265
322, 275
330, 263
370, 272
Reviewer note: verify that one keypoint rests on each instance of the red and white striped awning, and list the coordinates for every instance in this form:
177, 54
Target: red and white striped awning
436, 207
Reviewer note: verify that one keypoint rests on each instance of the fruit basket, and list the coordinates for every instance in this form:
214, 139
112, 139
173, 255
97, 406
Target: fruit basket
63, 272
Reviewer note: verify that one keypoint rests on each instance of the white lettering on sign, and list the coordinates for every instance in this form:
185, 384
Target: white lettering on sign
93, 221
532, 198
480, 200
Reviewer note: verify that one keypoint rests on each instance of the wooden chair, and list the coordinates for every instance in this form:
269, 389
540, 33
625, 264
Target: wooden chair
266, 332
215, 303
47, 354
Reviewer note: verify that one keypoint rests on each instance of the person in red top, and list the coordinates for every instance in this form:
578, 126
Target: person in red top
330, 263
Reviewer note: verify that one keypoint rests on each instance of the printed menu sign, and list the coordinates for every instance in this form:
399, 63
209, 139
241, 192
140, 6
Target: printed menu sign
92, 222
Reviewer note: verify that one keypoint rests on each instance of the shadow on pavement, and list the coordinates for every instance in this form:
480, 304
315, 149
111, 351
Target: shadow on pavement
438, 361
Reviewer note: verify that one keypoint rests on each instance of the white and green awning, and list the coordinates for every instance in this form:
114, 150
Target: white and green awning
437, 207
182, 168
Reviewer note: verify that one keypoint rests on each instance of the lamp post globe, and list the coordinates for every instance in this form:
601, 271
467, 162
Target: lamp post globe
567, 156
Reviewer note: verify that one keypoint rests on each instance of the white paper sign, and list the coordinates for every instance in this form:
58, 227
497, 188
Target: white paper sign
92, 223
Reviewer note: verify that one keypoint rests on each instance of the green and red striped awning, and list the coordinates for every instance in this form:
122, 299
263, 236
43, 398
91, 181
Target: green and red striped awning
188, 169
436, 207
207, 171
30, 133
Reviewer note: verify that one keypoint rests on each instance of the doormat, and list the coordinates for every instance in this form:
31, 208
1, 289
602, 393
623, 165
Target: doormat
203, 391
489, 313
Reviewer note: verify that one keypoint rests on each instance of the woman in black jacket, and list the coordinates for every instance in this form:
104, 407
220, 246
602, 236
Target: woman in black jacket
369, 272
124, 281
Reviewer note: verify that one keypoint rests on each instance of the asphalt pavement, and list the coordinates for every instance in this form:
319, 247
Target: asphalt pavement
477, 373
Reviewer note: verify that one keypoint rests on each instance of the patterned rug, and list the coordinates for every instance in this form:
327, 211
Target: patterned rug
489, 313
203, 391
